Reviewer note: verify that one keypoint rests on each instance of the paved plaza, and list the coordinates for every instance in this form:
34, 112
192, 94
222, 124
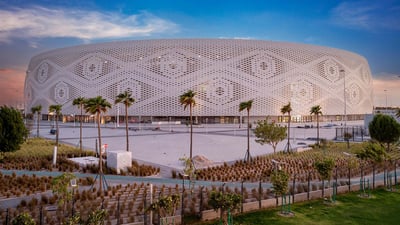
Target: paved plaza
164, 144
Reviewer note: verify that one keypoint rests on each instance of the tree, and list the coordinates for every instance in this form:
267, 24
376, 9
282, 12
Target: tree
384, 129
165, 206
187, 99
37, 110
242, 106
12, 129
60, 186
316, 110
224, 202
80, 102
96, 106
127, 100
287, 109
269, 133
23, 219
374, 152
280, 180
398, 113
324, 168
56, 109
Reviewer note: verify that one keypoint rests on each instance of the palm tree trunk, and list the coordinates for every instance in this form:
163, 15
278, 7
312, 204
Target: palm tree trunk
126, 128
288, 134
80, 130
38, 124
248, 135
56, 129
100, 154
191, 135
317, 130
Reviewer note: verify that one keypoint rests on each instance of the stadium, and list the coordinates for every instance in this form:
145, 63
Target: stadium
221, 72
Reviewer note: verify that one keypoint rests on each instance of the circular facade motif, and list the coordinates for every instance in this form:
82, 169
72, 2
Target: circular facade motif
302, 92
173, 64
331, 70
61, 93
354, 94
220, 91
263, 65
43, 72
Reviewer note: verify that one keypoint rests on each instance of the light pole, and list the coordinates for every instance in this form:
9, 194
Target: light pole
344, 97
386, 100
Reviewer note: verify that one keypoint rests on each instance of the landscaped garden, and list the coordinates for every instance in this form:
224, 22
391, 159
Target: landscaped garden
381, 208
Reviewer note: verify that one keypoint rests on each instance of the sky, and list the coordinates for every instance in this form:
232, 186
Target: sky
370, 28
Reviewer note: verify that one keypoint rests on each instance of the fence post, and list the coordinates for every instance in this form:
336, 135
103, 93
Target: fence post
294, 185
259, 194
7, 216
349, 179
41, 215
242, 190
118, 207
201, 200
309, 186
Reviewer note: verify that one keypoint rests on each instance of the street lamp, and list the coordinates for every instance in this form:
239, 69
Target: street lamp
73, 185
344, 97
386, 101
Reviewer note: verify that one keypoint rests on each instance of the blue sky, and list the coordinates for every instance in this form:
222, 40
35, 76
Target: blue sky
370, 28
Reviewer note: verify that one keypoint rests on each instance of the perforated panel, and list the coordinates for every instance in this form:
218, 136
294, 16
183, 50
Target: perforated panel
223, 73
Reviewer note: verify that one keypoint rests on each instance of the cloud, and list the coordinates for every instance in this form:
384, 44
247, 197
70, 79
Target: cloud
367, 15
40, 22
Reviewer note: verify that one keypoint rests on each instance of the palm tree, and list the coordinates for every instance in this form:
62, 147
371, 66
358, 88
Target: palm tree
127, 100
56, 109
80, 101
187, 99
287, 109
398, 112
242, 106
37, 109
316, 110
96, 106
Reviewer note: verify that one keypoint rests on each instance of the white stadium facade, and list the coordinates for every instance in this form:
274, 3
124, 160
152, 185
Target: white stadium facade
221, 72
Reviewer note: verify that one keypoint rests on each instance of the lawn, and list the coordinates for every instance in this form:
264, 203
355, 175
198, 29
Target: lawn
382, 208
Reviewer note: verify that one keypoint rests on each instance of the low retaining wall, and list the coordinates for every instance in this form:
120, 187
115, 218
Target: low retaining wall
301, 197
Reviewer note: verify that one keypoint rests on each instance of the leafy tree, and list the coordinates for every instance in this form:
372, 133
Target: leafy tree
23, 219
269, 133
242, 106
37, 110
325, 170
12, 129
374, 152
96, 106
127, 100
60, 186
80, 102
280, 180
96, 217
224, 202
384, 129
287, 109
165, 206
187, 99
316, 110
56, 109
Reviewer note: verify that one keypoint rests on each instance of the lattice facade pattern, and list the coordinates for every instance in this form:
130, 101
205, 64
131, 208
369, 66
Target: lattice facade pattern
223, 73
